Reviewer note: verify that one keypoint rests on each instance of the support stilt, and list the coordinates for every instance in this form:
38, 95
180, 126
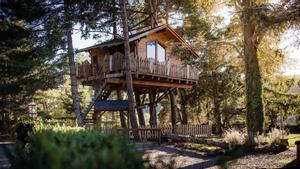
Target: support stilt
122, 113
139, 109
153, 118
173, 111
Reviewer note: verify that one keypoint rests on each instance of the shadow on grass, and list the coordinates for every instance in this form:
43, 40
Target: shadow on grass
292, 165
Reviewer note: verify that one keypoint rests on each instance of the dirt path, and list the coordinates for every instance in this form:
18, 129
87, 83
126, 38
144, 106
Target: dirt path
279, 160
164, 156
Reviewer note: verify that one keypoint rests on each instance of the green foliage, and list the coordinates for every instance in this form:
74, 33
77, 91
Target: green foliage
65, 147
23, 129
278, 102
57, 103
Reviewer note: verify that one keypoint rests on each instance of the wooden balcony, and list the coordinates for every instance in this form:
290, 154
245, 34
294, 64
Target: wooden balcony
114, 66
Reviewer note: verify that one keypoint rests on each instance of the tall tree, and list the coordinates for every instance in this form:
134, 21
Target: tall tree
255, 112
131, 109
258, 17
70, 54
27, 63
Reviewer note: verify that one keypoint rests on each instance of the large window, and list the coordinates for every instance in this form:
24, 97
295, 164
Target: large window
156, 51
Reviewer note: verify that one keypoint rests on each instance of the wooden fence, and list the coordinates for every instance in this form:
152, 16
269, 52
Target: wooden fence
154, 133
187, 130
145, 134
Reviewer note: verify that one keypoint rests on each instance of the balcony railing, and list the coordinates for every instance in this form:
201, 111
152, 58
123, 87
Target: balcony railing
115, 64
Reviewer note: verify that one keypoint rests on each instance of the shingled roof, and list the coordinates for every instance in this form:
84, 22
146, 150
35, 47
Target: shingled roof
133, 37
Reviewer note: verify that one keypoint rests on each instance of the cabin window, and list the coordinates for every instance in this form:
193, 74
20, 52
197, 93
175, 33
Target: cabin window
151, 49
161, 53
156, 51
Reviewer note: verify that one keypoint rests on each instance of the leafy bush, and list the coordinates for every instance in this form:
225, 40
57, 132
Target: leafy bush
234, 137
23, 129
75, 148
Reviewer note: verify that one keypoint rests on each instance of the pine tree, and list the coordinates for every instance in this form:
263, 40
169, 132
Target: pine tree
131, 109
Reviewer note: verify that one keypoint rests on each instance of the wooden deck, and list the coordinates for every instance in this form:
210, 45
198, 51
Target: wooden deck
142, 69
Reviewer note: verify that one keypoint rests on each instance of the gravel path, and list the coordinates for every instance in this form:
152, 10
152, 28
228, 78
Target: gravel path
4, 162
164, 156
262, 161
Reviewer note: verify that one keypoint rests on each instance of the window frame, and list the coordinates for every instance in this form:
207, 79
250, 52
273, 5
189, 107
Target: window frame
156, 47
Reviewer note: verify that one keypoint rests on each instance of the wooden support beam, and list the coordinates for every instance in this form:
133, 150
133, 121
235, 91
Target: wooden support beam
150, 83
164, 95
173, 111
139, 110
122, 113
153, 118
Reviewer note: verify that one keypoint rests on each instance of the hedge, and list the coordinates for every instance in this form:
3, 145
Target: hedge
74, 148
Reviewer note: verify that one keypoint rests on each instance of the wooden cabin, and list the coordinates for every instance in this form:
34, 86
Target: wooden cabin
155, 71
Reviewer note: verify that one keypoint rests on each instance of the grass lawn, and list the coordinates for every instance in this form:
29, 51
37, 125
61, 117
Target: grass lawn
198, 147
293, 138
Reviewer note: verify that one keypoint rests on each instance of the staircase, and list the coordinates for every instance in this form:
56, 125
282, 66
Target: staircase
102, 94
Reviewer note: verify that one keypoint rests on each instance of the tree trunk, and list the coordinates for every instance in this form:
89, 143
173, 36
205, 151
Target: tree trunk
167, 6
217, 115
255, 112
183, 107
139, 110
122, 113
74, 85
216, 101
131, 110
114, 18
153, 118
173, 111
152, 4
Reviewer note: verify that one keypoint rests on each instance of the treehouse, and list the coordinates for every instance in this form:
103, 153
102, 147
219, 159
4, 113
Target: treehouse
155, 71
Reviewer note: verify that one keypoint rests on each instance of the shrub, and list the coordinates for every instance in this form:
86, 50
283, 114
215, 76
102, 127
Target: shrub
75, 148
275, 137
234, 137
22, 130
261, 140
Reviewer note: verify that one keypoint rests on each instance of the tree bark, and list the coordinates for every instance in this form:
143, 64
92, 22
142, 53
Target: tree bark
114, 18
183, 107
153, 117
167, 6
216, 102
152, 4
255, 112
173, 111
74, 85
131, 110
122, 113
139, 110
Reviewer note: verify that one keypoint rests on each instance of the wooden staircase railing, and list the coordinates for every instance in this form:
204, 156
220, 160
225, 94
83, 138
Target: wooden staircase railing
98, 95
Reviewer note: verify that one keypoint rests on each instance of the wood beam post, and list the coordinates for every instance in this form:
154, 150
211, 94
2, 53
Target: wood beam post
173, 111
139, 109
153, 118
122, 113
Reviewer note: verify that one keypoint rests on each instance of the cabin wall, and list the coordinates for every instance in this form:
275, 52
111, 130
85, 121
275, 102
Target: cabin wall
164, 40
99, 53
